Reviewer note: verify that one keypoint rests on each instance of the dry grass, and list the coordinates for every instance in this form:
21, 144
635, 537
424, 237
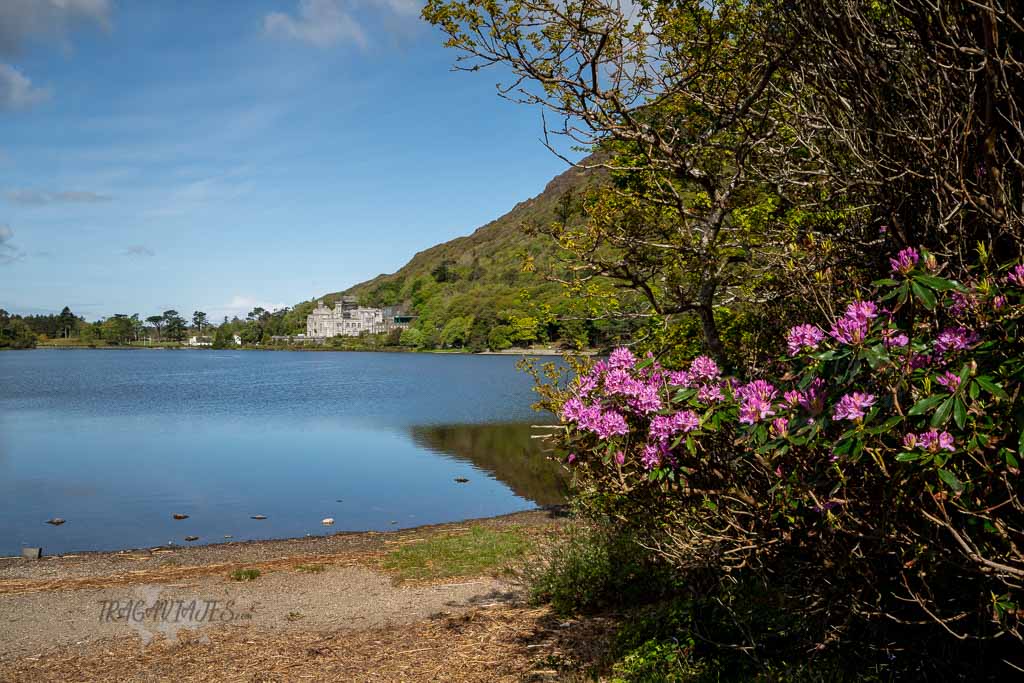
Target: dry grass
495, 644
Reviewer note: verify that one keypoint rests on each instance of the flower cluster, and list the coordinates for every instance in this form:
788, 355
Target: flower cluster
804, 338
852, 328
846, 389
932, 441
853, 406
905, 261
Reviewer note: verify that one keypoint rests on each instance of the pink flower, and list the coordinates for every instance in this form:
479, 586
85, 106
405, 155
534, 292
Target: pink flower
650, 457
710, 393
954, 339
703, 368
849, 331
792, 398
646, 400
962, 303
949, 380
571, 459
893, 339
905, 261
813, 398
585, 384
620, 457
804, 338
756, 401
862, 311
572, 410
679, 378
910, 441
1016, 276
664, 427
999, 302
619, 381
935, 441
853, 406
621, 359
780, 426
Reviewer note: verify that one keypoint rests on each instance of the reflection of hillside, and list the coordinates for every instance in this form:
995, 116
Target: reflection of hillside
505, 451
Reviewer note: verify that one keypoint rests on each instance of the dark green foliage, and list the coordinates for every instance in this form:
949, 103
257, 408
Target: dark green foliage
15, 333
597, 567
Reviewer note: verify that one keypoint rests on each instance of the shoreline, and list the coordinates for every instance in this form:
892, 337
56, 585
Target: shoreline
311, 545
545, 352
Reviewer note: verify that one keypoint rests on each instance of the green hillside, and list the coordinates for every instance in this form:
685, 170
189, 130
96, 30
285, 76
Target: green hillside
488, 289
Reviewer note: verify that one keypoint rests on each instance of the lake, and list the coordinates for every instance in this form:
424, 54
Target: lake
117, 441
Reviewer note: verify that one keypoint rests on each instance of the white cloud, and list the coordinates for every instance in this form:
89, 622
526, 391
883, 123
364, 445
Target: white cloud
17, 91
325, 23
319, 22
24, 20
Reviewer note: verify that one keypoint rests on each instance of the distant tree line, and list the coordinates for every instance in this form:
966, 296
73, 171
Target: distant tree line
259, 325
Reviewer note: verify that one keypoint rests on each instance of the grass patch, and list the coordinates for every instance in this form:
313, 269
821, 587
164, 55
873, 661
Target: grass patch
475, 552
245, 574
311, 568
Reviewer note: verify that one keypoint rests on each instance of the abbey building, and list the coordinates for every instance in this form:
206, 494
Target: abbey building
349, 319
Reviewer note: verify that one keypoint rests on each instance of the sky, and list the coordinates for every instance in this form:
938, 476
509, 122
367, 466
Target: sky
219, 156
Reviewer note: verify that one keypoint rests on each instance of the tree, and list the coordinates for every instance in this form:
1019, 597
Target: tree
498, 339
14, 332
199, 320
456, 331
118, 328
174, 325
157, 321
920, 115
68, 323
682, 100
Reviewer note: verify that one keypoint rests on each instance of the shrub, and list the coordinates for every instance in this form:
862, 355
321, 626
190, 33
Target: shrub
597, 567
871, 476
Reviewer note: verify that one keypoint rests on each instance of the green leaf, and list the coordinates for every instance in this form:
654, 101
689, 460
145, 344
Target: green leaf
937, 283
910, 456
924, 405
991, 387
899, 293
959, 412
951, 481
941, 415
885, 282
885, 426
925, 296
876, 355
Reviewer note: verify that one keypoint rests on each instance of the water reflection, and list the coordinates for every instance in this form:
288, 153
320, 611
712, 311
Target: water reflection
504, 451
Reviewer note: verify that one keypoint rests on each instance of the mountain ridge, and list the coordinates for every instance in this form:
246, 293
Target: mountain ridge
486, 289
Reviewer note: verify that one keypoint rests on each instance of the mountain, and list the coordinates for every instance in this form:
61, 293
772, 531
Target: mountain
487, 289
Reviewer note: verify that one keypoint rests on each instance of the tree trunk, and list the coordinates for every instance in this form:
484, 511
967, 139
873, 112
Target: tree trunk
709, 328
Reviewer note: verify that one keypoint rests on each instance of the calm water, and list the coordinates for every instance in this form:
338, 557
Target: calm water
115, 442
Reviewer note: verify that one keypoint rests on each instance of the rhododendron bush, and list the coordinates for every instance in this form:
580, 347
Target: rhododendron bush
875, 470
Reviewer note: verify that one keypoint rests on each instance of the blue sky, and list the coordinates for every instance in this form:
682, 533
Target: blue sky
223, 155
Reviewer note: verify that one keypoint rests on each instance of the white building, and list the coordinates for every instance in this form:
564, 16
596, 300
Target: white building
346, 319
200, 341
